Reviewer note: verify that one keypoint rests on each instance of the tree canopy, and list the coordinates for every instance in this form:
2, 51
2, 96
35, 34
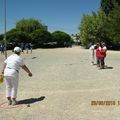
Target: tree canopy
29, 25
108, 5
102, 25
92, 28
40, 37
62, 39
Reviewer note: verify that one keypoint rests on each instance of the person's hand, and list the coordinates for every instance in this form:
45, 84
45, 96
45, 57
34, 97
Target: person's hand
30, 74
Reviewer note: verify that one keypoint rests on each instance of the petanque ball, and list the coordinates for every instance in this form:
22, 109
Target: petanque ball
28, 105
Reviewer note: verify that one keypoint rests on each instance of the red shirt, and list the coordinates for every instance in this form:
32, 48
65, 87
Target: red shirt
97, 52
102, 52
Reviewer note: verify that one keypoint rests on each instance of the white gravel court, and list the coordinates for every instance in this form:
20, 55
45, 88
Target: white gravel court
63, 86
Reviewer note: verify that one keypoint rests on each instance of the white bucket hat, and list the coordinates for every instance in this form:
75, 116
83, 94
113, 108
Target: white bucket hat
17, 49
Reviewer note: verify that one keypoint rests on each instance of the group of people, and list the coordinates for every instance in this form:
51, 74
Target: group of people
98, 51
26, 46
14, 62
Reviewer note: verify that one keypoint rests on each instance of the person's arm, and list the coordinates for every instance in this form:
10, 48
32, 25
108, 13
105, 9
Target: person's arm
4, 66
27, 70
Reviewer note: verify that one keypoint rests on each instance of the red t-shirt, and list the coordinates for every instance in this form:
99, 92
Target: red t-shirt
102, 52
97, 52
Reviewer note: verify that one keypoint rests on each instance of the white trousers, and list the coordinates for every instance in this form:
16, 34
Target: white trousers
11, 86
92, 57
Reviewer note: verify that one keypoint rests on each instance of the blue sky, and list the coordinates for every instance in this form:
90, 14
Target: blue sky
64, 15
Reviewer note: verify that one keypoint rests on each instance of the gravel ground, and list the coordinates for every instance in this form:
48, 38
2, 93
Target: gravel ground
65, 86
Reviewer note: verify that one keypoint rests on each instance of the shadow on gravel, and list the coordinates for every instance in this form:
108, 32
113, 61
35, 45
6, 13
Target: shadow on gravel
34, 57
31, 100
108, 67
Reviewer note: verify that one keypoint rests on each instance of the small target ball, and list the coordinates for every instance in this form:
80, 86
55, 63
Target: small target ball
28, 105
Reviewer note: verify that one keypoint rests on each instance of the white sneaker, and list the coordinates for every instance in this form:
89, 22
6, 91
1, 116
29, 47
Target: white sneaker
9, 102
91, 63
14, 102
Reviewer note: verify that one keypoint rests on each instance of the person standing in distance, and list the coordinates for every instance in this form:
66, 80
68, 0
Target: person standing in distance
10, 70
92, 53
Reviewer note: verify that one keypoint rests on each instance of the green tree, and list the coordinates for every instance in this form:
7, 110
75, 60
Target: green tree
92, 28
108, 5
62, 39
112, 27
14, 36
1, 37
29, 25
40, 37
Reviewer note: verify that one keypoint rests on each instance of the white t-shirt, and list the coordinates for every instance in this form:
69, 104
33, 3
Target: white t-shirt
13, 64
104, 48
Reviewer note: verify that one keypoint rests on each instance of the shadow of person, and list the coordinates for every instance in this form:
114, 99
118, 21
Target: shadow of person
109, 68
106, 67
31, 100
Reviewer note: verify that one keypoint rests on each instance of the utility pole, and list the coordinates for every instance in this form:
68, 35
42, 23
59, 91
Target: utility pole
5, 48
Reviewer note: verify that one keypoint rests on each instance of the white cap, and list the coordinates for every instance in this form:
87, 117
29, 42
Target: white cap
17, 49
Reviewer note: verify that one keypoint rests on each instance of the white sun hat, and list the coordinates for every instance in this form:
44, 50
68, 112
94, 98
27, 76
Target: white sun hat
17, 49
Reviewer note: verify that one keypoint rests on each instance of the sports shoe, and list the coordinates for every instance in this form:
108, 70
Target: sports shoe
14, 102
9, 102
91, 63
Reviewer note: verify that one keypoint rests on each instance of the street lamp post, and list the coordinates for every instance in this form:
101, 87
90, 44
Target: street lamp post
5, 29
